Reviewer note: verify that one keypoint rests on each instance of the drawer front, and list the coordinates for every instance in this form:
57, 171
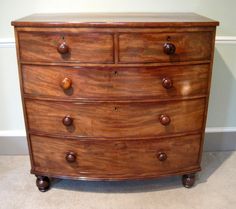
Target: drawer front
108, 83
149, 47
114, 159
115, 119
66, 47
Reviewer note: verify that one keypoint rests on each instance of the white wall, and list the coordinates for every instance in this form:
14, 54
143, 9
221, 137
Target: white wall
222, 111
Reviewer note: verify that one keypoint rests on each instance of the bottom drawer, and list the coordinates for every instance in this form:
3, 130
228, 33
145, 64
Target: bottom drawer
104, 159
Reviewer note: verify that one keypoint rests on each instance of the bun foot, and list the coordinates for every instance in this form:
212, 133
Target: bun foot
188, 180
43, 183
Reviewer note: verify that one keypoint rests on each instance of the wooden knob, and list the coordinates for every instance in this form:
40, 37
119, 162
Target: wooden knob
67, 120
165, 120
63, 48
70, 157
162, 156
169, 48
167, 83
66, 83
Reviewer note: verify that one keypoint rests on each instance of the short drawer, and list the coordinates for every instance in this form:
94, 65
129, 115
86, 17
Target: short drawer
115, 119
164, 47
112, 83
66, 47
104, 159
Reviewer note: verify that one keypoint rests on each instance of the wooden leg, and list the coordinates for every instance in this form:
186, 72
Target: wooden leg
43, 183
188, 180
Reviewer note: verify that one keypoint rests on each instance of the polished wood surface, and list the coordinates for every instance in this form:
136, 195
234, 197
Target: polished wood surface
115, 159
43, 183
188, 180
81, 47
115, 96
108, 83
115, 20
116, 120
150, 47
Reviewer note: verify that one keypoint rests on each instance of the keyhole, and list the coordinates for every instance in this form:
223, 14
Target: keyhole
116, 108
168, 38
115, 73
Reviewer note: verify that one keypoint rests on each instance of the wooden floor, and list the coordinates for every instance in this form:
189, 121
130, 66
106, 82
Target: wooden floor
215, 189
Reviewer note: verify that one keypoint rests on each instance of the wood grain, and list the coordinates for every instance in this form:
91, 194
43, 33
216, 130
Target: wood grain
83, 47
148, 47
103, 100
115, 120
107, 83
115, 159
115, 20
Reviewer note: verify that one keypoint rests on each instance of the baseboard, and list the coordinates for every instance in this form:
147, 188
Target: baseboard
13, 145
216, 139
220, 141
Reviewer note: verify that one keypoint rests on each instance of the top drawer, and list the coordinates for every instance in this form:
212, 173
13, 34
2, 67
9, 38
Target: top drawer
164, 47
83, 47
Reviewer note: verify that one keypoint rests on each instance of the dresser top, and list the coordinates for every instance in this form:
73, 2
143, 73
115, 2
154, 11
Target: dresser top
115, 20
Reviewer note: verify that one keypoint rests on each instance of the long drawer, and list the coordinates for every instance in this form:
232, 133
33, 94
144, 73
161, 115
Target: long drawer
108, 83
164, 47
115, 119
106, 159
62, 46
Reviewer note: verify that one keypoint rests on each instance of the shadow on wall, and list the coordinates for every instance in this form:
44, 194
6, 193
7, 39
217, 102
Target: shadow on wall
221, 110
223, 89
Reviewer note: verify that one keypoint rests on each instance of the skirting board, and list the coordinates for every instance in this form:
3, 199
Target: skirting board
214, 141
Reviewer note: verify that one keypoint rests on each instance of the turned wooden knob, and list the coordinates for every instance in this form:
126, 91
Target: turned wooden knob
162, 156
167, 83
63, 48
66, 83
67, 120
70, 157
188, 180
43, 183
169, 48
165, 120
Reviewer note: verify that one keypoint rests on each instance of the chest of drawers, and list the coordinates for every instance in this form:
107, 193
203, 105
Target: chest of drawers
115, 96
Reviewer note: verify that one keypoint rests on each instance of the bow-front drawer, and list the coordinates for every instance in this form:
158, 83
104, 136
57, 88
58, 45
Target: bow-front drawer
106, 159
104, 83
164, 47
115, 119
82, 47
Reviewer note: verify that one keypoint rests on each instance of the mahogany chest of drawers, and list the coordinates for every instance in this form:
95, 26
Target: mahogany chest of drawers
115, 96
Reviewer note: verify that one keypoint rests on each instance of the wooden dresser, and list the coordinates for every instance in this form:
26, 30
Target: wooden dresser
115, 96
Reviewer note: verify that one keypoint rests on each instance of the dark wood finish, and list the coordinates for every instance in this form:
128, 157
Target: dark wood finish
107, 82
67, 120
115, 96
148, 47
63, 48
188, 180
167, 83
116, 120
43, 183
169, 48
81, 47
162, 156
115, 159
70, 157
165, 120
